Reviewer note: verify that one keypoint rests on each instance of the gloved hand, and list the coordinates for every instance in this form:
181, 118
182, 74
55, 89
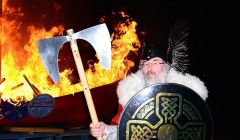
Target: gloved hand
97, 129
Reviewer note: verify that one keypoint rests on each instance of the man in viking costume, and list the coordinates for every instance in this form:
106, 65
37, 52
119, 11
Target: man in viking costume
158, 65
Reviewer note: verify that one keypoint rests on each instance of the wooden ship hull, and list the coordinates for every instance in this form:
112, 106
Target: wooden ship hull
72, 111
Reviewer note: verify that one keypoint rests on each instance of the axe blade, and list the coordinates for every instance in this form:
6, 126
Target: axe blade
98, 36
48, 50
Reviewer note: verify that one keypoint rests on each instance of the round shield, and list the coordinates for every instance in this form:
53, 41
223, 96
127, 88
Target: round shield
41, 105
166, 112
14, 112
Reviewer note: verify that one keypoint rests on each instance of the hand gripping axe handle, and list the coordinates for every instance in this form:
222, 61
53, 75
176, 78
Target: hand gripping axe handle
98, 36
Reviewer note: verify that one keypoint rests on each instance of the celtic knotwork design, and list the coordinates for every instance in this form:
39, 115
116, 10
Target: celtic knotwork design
141, 133
190, 113
192, 133
169, 107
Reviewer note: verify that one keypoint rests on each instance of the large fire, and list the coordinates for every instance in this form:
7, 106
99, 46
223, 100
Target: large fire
18, 59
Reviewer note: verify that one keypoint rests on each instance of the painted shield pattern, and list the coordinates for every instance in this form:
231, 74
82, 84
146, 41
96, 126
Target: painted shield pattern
41, 106
166, 112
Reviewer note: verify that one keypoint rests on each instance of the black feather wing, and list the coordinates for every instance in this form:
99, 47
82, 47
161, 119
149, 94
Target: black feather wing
177, 46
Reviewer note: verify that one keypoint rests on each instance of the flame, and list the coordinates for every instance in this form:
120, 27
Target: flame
20, 58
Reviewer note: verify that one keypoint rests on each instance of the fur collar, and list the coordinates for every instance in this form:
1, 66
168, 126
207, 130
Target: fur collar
134, 82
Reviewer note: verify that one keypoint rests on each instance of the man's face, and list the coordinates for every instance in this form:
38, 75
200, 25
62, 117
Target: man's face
153, 68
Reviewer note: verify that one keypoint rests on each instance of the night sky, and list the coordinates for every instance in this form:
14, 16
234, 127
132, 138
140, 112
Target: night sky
213, 49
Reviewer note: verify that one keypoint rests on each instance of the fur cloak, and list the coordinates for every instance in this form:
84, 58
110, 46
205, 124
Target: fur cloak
135, 82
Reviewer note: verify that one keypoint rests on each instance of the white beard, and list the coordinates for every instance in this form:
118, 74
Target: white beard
157, 78
135, 82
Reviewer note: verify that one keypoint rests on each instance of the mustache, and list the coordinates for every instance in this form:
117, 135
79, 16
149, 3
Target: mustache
149, 74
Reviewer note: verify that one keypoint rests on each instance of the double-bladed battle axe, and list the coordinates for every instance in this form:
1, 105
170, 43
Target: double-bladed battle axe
98, 36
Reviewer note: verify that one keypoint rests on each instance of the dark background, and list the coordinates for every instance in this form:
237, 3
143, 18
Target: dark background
213, 46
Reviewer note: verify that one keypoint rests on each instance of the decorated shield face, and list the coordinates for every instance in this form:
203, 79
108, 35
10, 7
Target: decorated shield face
41, 106
166, 112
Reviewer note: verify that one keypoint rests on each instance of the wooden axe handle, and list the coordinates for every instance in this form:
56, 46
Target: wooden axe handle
86, 90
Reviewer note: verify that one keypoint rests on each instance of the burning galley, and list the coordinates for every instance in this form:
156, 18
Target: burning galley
29, 94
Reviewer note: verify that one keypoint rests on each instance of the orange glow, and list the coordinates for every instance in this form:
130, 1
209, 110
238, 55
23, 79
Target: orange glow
18, 59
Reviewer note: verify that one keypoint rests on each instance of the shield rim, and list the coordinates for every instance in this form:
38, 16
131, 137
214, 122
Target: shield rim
168, 84
46, 114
